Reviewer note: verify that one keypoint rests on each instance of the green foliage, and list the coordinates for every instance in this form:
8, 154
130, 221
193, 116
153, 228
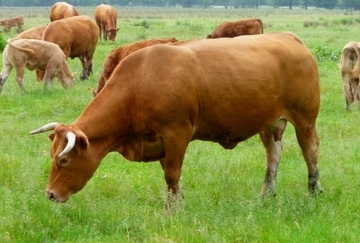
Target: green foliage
2, 43
123, 201
323, 53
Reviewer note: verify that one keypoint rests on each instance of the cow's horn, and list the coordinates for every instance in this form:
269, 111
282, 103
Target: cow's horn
70, 144
47, 127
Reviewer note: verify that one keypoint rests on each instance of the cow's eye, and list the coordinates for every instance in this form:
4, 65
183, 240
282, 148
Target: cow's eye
63, 161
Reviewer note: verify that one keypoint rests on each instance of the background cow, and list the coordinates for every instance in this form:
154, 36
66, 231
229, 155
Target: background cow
162, 97
105, 17
237, 28
35, 54
81, 38
8, 23
350, 72
61, 10
118, 54
33, 33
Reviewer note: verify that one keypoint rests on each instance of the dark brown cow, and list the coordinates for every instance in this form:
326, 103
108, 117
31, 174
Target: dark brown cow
8, 23
350, 72
62, 10
80, 40
237, 28
106, 17
118, 54
35, 54
162, 97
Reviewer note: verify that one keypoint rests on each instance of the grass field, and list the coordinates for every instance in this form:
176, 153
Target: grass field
123, 202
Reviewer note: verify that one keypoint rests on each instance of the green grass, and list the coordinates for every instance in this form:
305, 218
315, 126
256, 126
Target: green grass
124, 201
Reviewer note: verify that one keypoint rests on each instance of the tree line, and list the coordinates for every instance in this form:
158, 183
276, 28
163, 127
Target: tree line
303, 4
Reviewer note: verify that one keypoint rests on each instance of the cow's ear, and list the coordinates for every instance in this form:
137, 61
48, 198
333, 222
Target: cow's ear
73, 75
82, 141
51, 136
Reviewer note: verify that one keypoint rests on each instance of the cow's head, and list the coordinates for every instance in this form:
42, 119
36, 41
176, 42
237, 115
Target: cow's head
72, 164
111, 33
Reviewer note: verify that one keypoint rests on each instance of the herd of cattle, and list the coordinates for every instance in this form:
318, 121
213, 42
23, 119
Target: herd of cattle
150, 105
82, 35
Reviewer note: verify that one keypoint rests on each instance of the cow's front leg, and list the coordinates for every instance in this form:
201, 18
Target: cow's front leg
175, 148
172, 172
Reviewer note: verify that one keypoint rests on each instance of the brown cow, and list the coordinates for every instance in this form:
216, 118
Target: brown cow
237, 28
118, 54
8, 23
105, 17
35, 54
81, 38
162, 97
62, 10
350, 72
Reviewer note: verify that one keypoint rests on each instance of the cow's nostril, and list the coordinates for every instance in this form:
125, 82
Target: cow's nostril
50, 195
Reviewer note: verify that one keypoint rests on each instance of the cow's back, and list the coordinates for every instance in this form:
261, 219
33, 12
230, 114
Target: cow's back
226, 88
61, 10
238, 28
81, 34
32, 33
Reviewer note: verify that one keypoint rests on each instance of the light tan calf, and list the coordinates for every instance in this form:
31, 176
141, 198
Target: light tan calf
349, 67
35, 54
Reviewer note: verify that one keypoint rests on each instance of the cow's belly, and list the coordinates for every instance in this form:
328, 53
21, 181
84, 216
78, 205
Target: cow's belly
229, 131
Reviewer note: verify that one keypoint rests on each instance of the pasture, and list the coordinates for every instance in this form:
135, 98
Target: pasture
124, 201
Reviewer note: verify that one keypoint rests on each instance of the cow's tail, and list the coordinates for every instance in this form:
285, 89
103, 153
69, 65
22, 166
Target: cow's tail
355, 72
27, 50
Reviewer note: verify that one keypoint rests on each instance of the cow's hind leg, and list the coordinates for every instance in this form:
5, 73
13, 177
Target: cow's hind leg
271, 139
4, 75
20, 78
309, 143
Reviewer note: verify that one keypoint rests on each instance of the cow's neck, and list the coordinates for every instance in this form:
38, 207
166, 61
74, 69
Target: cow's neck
105, 121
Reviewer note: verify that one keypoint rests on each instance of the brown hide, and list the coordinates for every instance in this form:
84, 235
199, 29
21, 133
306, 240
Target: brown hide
33, 33
106, 17
8, 23
350, 68
237, 28
61, 10
162, 97
35, 54
118, 54
80, 40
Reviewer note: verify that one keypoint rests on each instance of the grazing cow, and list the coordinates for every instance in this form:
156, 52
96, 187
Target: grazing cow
105, 17
35, 54
162, 97
33, 33
81, 38
237, 28
62, 10
118, 54
8, 23
350, 72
